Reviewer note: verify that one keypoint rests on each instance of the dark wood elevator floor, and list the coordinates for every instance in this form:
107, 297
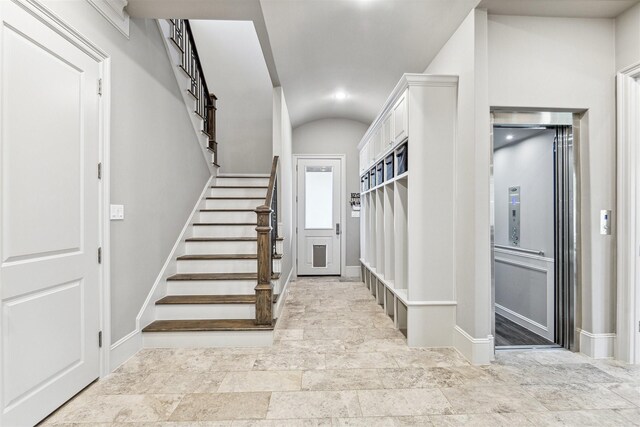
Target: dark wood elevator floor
509, 333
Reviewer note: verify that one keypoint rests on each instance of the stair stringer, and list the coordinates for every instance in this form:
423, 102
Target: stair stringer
189, 102
147, 313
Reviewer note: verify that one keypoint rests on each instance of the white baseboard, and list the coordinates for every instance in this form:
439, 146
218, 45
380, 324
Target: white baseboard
525, 322
352, 271
284, 291
124, 349
479, 351
597, 346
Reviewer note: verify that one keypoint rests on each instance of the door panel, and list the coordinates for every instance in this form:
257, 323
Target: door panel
49, 274
319, 216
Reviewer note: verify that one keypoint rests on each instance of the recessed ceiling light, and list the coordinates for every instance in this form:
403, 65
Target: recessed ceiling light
340, 95
509, 137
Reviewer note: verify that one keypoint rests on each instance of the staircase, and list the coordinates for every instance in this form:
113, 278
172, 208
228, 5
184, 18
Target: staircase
211, 300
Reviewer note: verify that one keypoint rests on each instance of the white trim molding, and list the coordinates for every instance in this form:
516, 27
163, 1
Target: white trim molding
113, 11
343, 206
282, 297
479, 351
147, 313
597, 346
628, 243
124, 348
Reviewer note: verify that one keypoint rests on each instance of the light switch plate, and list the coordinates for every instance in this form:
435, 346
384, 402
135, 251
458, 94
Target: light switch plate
117, 212
355, 214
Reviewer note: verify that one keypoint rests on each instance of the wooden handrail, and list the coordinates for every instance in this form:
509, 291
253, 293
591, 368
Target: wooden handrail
267, 226
272, 181
182, 36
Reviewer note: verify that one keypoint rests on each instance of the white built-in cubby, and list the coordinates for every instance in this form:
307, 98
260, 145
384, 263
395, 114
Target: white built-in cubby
407, 189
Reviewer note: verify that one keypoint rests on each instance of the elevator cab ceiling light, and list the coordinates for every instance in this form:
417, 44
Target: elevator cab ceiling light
340, 95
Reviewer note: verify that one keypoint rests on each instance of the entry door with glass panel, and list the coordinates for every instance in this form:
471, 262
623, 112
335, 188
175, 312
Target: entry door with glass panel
319, 228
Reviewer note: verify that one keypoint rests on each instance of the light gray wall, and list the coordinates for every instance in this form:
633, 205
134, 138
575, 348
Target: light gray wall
628, 38
337, 136
528, 164
282, 142
522, 51
236, 72
465, 55
157, 169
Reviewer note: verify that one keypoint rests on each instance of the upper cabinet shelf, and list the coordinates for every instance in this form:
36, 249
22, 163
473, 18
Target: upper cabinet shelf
392, 125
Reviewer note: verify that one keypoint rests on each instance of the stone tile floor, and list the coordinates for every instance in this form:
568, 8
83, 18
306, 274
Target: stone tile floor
338, 361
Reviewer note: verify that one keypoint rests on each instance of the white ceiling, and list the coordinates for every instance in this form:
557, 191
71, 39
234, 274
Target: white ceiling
359, 46
559, 8
314, 48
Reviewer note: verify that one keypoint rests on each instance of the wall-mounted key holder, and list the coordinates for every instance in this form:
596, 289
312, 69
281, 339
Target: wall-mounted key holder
355, 201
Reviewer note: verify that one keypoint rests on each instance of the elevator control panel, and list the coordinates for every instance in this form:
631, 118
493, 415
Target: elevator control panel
514, 216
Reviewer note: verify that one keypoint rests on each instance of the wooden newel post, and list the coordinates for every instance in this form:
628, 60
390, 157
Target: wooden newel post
264, 289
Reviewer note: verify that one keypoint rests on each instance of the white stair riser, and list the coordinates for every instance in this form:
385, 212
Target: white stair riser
207, 339
238, 192
205, 311
228, 217
222, 181
232, 203
218, 266
204, 248
211, 287
224, 231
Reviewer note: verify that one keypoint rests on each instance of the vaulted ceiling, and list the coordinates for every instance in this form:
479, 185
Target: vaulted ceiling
315, 49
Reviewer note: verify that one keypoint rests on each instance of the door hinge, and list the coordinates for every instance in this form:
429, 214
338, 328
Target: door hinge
100, 87
100, 255
99, 170
100, 339
638, 326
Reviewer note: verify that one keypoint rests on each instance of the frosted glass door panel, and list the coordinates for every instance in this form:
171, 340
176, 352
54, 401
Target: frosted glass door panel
319, 198
318, 203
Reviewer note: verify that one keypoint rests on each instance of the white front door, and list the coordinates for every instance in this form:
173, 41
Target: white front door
49, 213
319, 228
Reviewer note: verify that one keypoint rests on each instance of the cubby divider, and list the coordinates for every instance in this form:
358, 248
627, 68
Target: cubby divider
407, 158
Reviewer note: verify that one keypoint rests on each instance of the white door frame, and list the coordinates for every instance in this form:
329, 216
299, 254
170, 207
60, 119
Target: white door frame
46, 16
628, 242
343, 203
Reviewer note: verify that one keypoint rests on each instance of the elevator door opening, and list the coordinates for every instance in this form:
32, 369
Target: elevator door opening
534, 238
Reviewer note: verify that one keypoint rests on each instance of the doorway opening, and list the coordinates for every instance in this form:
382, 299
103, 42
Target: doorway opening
320, 191
534, 221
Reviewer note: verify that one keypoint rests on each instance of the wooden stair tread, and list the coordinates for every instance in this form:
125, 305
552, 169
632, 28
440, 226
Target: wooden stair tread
193, 325
207, 299
211, 299
210, 257
243, 176
226, 224
218, 276
226, 239
227, 210
234, 198
240, 186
